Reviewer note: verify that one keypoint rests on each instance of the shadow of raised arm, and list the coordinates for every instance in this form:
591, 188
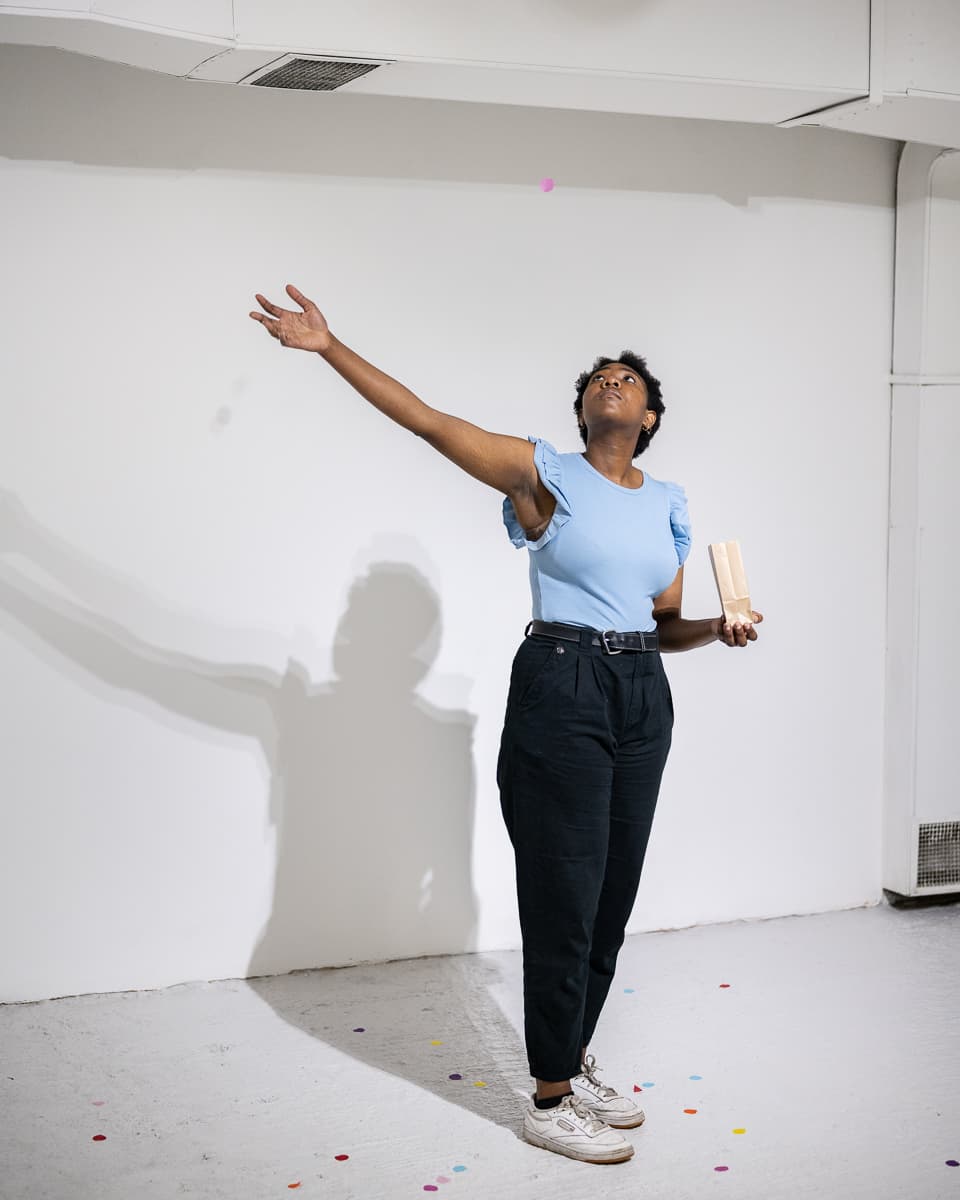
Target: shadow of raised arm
234, 697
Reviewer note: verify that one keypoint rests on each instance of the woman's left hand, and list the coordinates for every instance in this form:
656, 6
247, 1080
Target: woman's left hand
738, 634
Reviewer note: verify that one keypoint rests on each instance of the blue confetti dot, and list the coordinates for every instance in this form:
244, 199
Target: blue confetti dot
628, 989
696, 1076
459, 1168
648, 1084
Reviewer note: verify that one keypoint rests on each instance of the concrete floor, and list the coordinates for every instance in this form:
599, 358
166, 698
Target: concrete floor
836, 1048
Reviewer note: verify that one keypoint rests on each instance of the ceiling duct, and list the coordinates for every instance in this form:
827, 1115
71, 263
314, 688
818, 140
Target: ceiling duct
305, 74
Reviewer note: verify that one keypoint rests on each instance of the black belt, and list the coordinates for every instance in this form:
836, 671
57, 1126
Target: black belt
609, 640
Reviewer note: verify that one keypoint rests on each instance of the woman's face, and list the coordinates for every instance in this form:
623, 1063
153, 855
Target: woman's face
616, 396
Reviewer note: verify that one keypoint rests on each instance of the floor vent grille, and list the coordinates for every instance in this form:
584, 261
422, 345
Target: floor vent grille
938, 857
311, 74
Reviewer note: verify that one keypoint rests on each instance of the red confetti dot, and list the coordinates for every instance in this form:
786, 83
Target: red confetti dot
724, 984
637, 1089
99, 1137
341, 1157
293, 1185
689, 1110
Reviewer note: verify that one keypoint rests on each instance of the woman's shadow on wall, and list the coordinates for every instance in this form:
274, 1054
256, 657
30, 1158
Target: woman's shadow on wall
371, 798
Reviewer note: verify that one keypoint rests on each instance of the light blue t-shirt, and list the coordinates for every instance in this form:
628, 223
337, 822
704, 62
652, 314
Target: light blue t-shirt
608, 550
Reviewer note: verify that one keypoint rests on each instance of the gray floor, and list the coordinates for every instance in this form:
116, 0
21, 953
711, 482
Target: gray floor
836, 1048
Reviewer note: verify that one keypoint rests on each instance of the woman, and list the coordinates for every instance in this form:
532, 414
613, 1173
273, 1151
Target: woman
589, 715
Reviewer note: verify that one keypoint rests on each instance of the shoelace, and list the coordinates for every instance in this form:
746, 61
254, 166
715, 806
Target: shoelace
593, 1123
590, 1070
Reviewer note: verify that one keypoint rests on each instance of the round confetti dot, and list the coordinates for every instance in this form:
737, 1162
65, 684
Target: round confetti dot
442, 1179
952, 1162
479, 1083
454, 1076
293, 1185
628, 990
721, 1168
98, 1103
99, 1137
360, 1030
546, 185
724, 984
459, 1168
695, 1076
436, 1043
690, 1110
341, 1157
428, 1187
739, 1131
648, 1085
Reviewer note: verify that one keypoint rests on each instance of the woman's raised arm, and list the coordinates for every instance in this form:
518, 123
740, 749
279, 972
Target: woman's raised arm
501, 461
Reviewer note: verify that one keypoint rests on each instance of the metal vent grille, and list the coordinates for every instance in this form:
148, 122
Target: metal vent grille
938, 858
313, 74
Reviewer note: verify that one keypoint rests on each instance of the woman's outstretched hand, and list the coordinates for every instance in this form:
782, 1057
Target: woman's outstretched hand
307, 330
737, 634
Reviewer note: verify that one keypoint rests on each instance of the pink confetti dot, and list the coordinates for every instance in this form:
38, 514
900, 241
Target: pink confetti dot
721, 1168
98, 1103
442, 1179
546, 185
428, 1187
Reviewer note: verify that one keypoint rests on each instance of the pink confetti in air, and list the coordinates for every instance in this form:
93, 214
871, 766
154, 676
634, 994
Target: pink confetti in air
442, 1179
428, 1187
98, 1103
721, 1168
546, 185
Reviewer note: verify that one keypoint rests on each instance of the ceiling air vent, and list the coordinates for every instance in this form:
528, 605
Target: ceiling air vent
938, 861
310, 74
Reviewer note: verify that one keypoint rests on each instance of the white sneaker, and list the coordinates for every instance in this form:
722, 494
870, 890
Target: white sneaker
605, 1102
570, 1128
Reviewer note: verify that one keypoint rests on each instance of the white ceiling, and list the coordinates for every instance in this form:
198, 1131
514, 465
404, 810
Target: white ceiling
887, 68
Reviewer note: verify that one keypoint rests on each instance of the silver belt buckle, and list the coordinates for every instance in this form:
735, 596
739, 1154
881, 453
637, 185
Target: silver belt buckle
603, 642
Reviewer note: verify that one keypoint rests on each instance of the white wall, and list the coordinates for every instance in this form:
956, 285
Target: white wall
196, 782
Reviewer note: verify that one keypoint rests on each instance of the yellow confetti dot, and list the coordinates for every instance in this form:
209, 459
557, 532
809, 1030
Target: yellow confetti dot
436, 1043
739, 1131
479, 1083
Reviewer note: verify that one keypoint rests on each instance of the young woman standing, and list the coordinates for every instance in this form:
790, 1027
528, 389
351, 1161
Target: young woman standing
589, 716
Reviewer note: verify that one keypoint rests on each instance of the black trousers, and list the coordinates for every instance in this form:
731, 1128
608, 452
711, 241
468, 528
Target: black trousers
584, 744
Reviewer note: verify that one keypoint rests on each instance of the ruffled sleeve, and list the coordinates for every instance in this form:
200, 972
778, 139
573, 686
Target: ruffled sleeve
550, 470
679, 521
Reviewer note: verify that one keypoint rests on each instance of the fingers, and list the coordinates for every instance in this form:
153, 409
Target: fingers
739, 634
273, 327
273, 309
296, 294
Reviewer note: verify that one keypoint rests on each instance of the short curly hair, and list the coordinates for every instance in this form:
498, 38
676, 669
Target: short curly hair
654, 395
